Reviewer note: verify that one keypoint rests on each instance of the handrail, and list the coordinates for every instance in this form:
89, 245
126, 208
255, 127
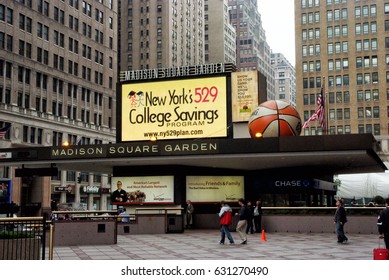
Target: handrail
85, 212
20, 219
164, 209
324, 208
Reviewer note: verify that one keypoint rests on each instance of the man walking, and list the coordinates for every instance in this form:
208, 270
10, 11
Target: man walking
383, 223
225, 216
339, 221
242, 223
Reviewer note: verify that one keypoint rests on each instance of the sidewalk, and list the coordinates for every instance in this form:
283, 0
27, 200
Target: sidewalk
203, 245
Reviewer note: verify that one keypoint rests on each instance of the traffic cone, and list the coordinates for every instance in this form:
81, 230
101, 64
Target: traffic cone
263, 238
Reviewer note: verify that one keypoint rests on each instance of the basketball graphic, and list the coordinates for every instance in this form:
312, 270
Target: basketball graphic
274, 118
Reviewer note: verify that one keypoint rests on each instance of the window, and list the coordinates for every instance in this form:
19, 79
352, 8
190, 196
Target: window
357, 12
359, 79
10, 16
360, 113
346, 80
330, 48
358, 45
374, 77
346, 97
345, 47
344, 31
376, 112
366, 44
359, 95
367, 79
339, 114
376, 96
329, 32
329, 15
365, 28
365, 11
346, 113
358, 29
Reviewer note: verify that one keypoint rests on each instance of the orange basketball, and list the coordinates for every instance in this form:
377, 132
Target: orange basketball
274, 118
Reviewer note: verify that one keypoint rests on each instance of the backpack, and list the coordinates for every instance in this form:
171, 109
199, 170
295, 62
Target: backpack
226, 219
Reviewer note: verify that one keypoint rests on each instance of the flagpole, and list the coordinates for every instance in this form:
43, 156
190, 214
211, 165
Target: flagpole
325, 106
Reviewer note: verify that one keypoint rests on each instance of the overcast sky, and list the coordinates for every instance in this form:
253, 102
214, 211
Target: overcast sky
278, 22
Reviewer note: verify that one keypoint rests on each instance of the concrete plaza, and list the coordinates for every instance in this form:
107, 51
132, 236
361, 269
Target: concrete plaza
203, 245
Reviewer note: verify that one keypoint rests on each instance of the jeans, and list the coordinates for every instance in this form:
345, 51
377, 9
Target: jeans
225, 231
340, 232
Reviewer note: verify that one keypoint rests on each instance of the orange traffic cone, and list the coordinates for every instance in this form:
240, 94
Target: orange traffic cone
263, 238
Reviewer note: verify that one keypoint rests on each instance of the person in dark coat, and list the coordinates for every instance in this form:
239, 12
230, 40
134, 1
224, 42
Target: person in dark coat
339, 221
242, 223
383, 223
258, 216
250, 217
189, 214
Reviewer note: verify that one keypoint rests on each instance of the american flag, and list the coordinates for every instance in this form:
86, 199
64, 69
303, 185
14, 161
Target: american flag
319, 113
4, 130
79, 140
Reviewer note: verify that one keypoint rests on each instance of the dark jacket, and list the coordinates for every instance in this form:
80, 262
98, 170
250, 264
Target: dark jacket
383, 221
250, 211
340, 215
243, 213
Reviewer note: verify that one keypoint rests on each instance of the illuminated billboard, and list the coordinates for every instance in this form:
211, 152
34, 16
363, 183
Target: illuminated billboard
248, 90
174, 109
214, 188
245, 94
142, 190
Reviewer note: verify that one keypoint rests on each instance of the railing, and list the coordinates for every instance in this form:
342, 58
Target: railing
84, 214
351, 210
23, 238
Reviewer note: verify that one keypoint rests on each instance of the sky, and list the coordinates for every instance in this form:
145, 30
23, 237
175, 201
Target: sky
278, 22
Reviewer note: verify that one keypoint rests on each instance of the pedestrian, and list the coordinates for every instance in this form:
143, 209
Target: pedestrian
124, 216
189, 214
383, 223
258, 216
339, 221
225, 216
242, 223
250, 217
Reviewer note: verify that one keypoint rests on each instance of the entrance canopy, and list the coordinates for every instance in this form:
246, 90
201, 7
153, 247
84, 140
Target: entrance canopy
315, 156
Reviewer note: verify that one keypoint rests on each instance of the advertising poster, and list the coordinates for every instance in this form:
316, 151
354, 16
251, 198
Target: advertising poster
181, 109
142, 190
214, 188
244, 89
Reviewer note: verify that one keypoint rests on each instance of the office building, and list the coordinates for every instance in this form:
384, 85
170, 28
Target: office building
285, 79
57, 84
342, 47
220, 36
161, 34
252, 50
